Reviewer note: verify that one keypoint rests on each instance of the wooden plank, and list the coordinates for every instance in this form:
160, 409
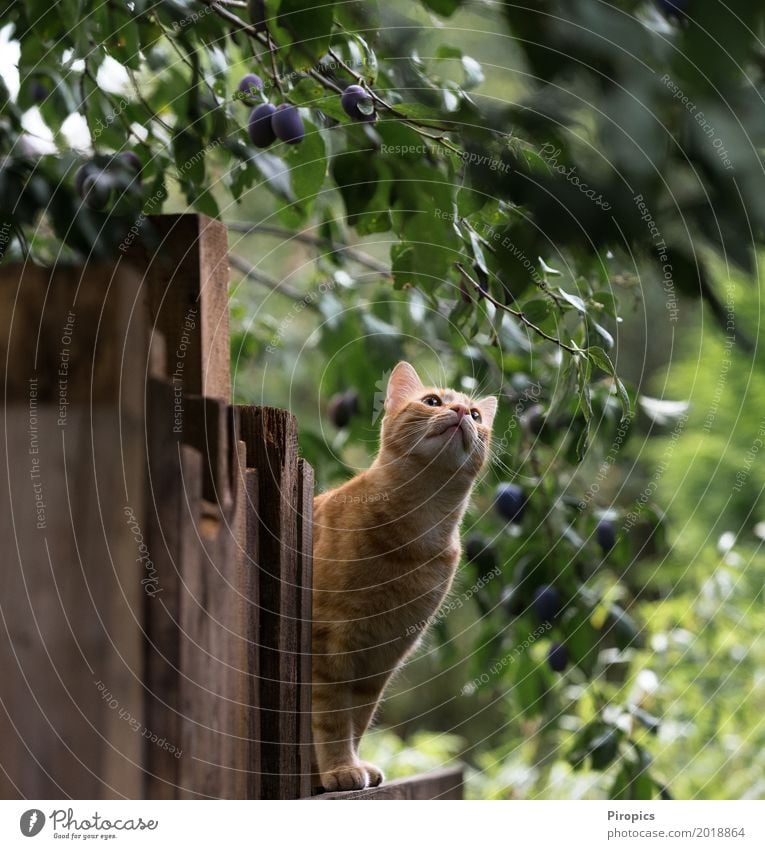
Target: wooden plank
164, 506
192, 668
271, 439
71, 718
304, 621
68, 328
206, 427
184, 263
253, 762
216, 616
442, 784
231, 578
179, 702
198, 771
212, 647
70, 601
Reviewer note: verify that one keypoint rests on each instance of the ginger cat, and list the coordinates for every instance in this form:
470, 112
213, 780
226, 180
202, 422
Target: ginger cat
386, 547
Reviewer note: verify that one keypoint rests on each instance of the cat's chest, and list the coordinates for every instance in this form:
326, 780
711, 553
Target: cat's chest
423, 533
406, 594
413, 585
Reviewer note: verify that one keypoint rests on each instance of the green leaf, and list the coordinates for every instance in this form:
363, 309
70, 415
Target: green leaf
607, 338
581, 638
604, 748
358, 15
584, 375
359, 54
419, 112
330, 105
535, 161
473, 72
306, 28
447, 51
308, 92
205, 203
445, 8
622, 627
401, 141
419, 263
608, 302
651, 722
582, 441
365, 185
189, 156
307, 162
601, 359
537, 310
480, 260
527, 685
275, 172
642, 785
122, 41
620, 788
401, 261
574, 300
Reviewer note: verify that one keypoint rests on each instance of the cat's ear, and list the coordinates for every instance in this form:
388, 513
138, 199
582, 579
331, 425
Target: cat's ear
402, 384
488, 409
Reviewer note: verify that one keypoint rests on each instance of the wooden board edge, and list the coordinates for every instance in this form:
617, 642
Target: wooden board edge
440, 784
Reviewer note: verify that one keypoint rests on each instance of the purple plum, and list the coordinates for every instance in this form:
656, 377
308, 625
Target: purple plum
260, 127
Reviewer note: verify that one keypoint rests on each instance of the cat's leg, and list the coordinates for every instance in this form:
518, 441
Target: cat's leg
365, 698
332, 721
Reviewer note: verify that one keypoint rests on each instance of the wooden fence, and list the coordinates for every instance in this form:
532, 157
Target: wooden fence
155, 543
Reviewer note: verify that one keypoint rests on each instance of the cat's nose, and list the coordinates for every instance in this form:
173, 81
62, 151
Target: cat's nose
461, 410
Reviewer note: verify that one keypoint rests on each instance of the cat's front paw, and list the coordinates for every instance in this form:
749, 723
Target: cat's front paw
374, 774
349, 777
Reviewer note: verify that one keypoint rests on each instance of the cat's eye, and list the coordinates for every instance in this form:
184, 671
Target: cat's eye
475, 415
432, 401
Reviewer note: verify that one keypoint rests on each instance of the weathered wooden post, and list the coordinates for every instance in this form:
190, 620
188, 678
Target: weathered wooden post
72, 551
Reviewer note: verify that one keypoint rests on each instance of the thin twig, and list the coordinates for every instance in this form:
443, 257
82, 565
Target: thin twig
440, 139
324, 81
258, 276
154, 115
23, 243
116, 110
519, 315
354, 254
184, 58
539, 283
235, 19
274, 69
84, 96
360, 79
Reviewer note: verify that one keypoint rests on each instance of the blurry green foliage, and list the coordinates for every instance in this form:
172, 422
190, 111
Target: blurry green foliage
715, 467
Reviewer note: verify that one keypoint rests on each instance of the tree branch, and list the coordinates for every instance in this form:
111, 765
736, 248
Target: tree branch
519, 315
354, 254
146, 105
258, 276
265, 41
392, 109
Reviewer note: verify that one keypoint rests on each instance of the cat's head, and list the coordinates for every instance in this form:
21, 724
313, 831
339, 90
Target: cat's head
440, 426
